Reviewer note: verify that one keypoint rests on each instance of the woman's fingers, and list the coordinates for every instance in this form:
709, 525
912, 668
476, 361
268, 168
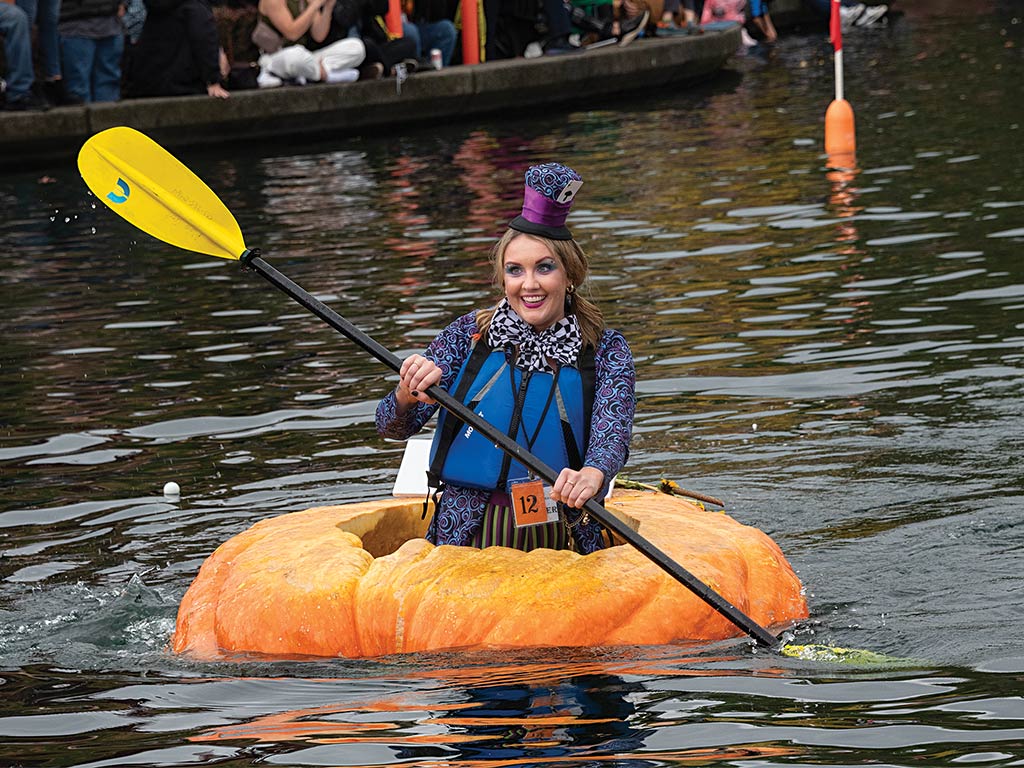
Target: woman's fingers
418, 374
575, 488
579, 493
570, 488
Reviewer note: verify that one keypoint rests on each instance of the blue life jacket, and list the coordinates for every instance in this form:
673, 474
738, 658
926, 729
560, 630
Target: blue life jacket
548, 414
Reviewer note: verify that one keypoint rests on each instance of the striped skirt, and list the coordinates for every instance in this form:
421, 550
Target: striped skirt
498, 529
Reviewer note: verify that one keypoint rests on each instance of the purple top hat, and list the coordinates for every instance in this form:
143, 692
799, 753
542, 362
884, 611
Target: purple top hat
550, 189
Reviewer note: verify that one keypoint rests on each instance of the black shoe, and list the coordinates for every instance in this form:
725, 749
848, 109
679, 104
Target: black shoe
561, 45
630, 28
27, 103
372, 71
59, 96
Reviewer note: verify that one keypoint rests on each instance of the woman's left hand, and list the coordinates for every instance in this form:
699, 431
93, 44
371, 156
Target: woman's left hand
575, 487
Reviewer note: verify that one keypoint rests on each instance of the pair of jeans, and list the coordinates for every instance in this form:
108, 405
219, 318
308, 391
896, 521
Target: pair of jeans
45, 14
14, 26
432, 34
92, 67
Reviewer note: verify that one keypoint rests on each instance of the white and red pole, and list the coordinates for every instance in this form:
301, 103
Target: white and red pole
840, 134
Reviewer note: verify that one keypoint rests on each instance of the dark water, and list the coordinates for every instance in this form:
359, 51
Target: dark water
840, 359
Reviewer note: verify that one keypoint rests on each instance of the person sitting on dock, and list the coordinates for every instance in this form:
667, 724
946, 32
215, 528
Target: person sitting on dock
177, 53
534, 27
427, 24
286, 32
602, 28
545, 369
365, 19
760, 24
681, 17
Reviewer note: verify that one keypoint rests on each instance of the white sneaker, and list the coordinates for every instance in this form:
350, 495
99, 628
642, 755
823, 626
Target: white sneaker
343, 75
848, 14
872, 15
266, 80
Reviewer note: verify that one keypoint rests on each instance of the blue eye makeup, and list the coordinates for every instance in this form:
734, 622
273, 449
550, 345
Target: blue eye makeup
545, 267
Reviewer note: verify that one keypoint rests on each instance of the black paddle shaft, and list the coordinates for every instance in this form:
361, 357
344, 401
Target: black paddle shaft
252, 259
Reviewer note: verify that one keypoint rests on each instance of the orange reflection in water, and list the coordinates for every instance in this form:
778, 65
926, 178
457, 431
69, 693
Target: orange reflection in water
841, 174
296, 725
403, 196
578, 706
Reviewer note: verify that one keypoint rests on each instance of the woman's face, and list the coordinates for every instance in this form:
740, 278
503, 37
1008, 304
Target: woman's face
535, 282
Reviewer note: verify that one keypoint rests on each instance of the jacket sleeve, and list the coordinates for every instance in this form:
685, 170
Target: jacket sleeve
449, 350
611, 423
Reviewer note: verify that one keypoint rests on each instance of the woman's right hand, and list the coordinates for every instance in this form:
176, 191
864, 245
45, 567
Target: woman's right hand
416, 375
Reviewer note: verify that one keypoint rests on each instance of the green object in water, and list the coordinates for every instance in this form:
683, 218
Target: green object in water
852, 656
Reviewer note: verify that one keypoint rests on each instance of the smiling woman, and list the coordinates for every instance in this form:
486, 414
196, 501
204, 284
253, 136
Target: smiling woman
543, 368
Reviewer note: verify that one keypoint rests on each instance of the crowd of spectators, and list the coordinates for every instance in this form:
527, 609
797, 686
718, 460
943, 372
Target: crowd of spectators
72, 52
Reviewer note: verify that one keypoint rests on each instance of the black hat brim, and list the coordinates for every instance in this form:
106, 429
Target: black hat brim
520, 224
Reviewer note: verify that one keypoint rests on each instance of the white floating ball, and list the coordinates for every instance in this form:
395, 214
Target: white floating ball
171, 489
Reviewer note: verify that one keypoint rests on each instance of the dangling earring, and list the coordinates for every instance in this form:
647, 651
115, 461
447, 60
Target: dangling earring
569, 302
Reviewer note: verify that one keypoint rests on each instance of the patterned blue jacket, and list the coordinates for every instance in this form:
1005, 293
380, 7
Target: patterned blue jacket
461, 509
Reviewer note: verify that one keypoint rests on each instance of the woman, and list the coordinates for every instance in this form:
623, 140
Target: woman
542, 367
289, 29
366, 17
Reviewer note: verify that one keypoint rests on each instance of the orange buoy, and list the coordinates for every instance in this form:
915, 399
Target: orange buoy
359, 580
840, 132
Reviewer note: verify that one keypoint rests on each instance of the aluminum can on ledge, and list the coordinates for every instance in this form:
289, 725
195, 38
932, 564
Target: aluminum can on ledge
435, 58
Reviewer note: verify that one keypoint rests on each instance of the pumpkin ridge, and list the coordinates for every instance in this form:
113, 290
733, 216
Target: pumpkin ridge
638, 605
455, 560
378, 599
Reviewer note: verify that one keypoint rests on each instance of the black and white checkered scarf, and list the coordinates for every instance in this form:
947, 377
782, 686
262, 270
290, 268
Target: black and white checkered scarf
561, 342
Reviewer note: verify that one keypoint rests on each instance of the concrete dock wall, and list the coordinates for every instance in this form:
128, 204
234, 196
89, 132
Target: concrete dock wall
39, 138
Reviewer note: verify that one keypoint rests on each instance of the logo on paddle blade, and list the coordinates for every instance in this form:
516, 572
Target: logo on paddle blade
125, 193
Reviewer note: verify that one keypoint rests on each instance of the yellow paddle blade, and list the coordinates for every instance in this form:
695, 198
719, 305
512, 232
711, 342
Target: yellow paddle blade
145, 184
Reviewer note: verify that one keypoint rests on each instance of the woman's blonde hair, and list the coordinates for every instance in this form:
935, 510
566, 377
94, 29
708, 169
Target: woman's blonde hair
574, 261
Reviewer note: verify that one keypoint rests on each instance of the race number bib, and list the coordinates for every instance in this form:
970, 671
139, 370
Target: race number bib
532, 503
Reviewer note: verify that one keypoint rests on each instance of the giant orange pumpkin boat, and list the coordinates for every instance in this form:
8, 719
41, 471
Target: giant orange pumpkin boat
359, 580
